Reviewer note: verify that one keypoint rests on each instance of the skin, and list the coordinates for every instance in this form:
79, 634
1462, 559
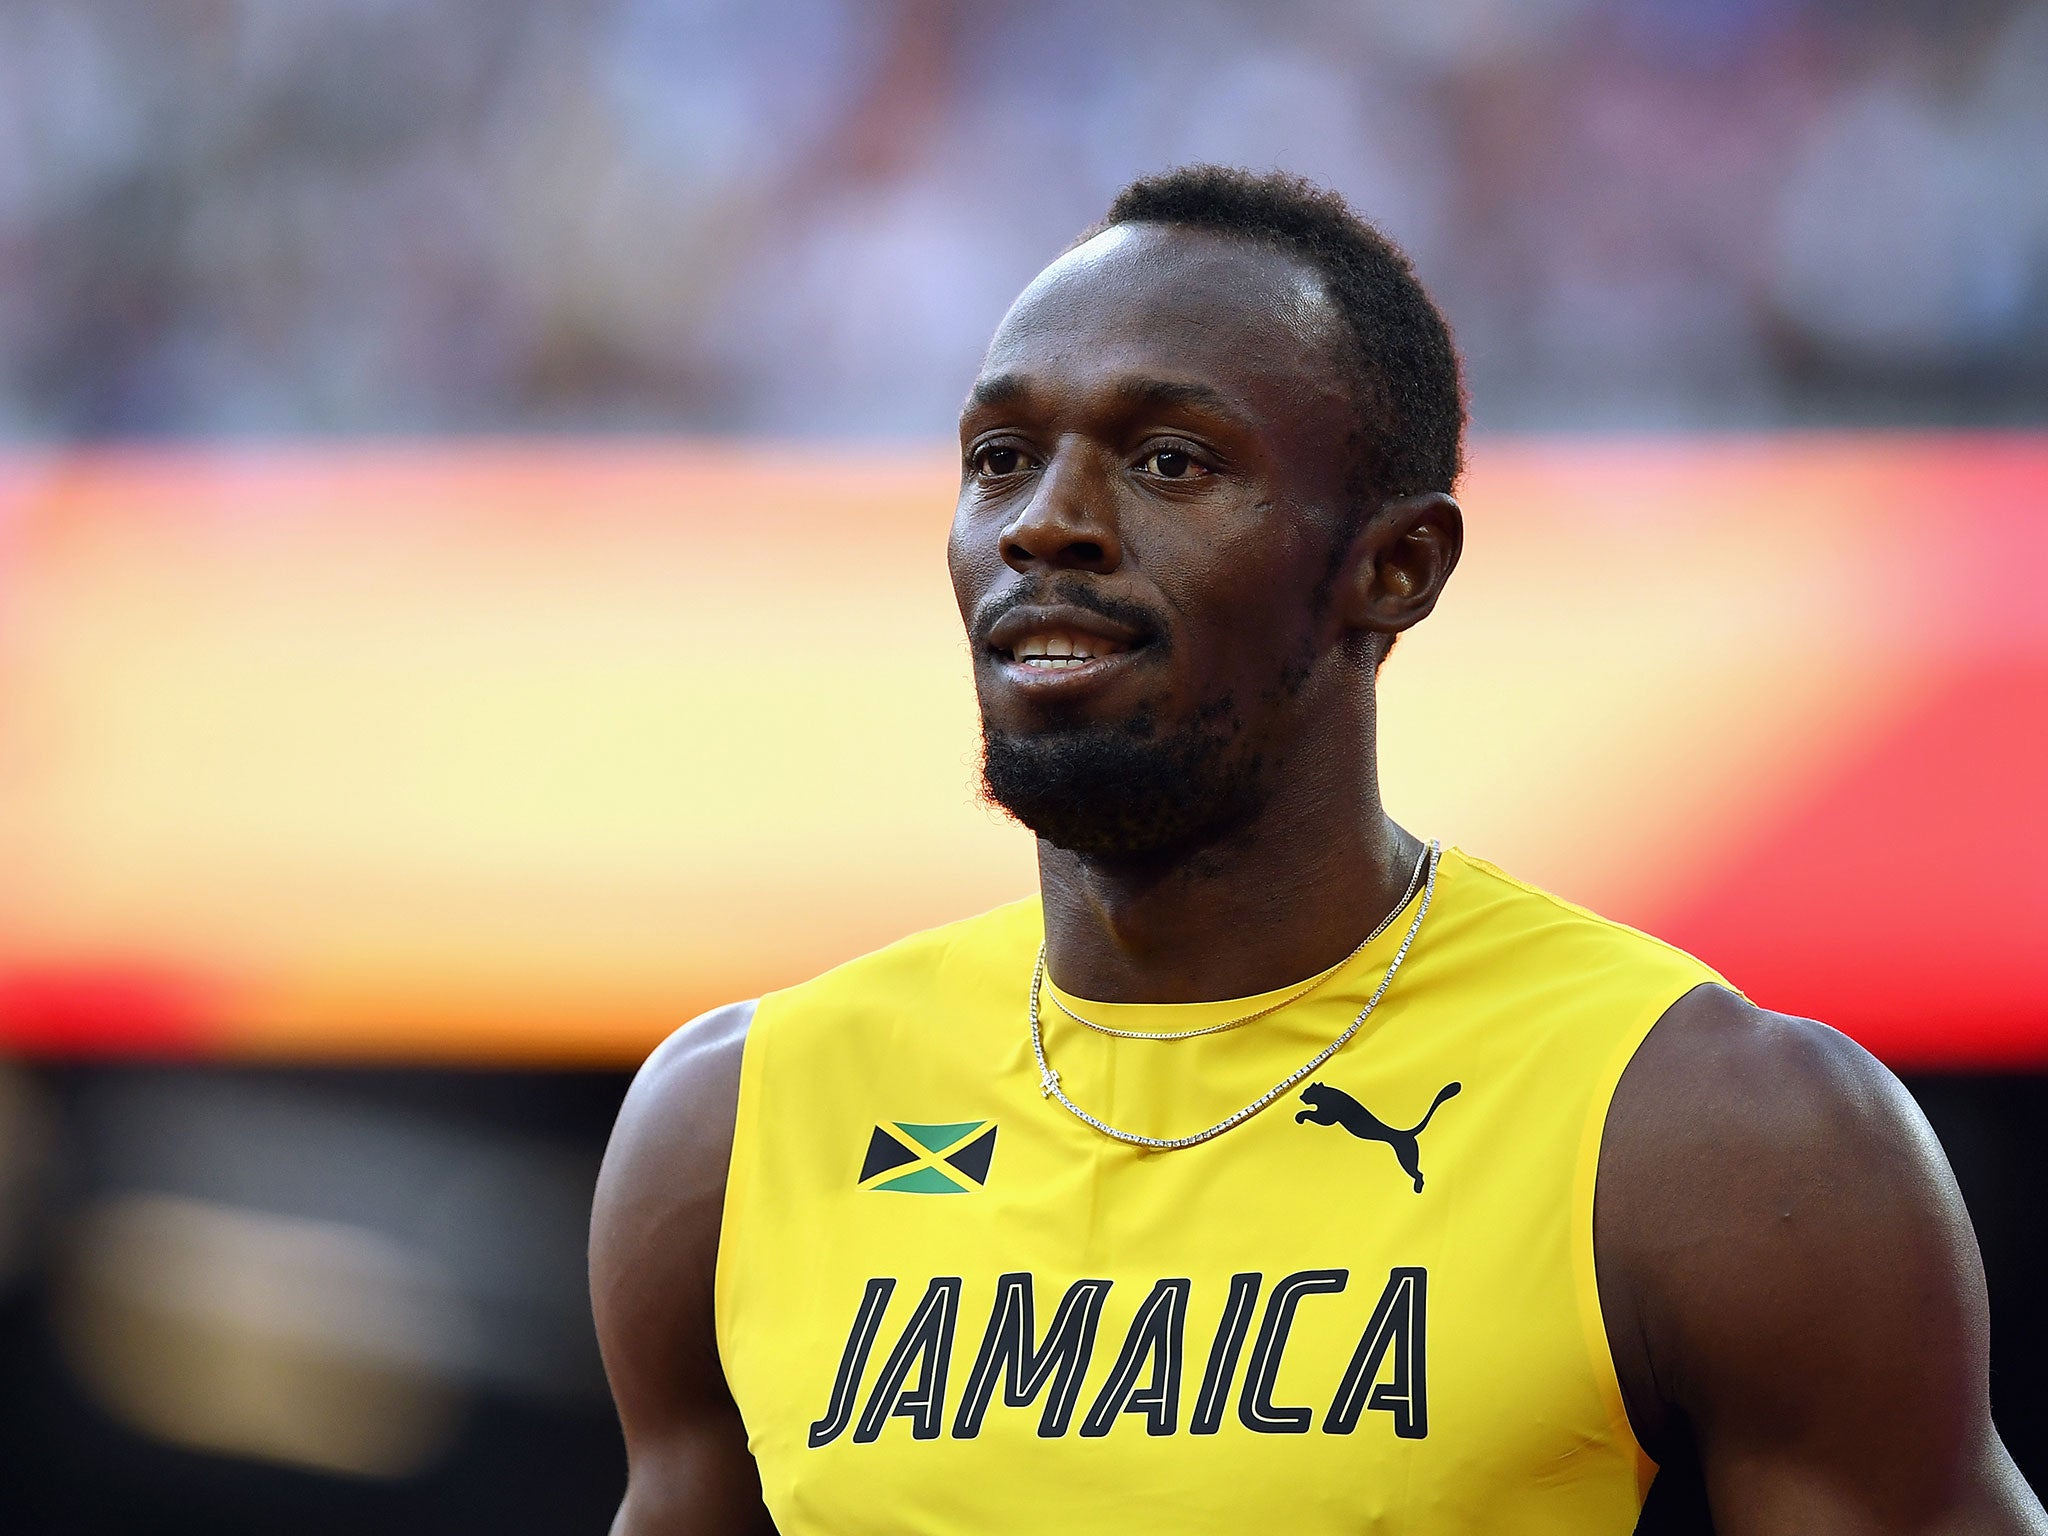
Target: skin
1789, 1279
653, 1254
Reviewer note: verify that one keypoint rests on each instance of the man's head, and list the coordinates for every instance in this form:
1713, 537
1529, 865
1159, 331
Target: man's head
1206, 477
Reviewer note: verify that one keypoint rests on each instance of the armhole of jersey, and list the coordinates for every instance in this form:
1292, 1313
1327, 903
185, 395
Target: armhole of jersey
1586, 1275
738, 1178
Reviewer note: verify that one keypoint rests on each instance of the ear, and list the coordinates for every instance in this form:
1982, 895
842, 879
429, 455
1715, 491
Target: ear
1398, 563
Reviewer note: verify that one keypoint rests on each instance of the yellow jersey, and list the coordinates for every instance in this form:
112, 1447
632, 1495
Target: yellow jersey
946, 1307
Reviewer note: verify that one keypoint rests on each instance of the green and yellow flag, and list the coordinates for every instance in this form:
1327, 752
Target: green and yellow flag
913, 1159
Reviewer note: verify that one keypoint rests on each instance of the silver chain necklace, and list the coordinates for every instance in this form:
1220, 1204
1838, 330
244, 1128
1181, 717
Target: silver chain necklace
1049, 1080
1295, 996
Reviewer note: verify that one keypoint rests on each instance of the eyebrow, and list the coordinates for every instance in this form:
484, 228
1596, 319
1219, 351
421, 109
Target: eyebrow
1000, 389
1005, 389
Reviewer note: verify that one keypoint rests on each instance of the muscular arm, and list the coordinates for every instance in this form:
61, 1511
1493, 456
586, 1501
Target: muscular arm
653, 1254
1790, 1278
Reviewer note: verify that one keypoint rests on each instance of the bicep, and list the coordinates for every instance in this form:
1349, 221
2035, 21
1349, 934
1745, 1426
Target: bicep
1811, 1288
653, 1261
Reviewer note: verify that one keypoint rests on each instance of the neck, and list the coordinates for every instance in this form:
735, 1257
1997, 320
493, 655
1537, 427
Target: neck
1281, 898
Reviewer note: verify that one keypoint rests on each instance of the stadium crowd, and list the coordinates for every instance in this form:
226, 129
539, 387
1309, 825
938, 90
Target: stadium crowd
802, 216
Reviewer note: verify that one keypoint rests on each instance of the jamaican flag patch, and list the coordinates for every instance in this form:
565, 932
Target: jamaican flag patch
911, 1159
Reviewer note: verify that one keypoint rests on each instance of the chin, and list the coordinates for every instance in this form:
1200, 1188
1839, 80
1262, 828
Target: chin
1123, 790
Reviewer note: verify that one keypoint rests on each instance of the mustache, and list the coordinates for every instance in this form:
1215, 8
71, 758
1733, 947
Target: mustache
1065, 591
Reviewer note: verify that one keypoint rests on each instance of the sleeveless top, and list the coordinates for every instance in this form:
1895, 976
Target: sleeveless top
946, 1307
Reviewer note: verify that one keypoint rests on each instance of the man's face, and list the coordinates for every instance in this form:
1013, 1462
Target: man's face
1154, 467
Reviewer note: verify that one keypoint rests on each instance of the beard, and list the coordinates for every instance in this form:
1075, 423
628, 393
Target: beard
1126, 790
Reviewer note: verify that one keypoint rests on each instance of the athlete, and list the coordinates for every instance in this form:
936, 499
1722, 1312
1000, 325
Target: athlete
1274, 1168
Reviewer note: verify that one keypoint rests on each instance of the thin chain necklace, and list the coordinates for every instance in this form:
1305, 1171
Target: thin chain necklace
1414, 879
1049, 1080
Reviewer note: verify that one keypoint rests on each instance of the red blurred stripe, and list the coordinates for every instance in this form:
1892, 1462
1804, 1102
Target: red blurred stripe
1907, 901
104, 1010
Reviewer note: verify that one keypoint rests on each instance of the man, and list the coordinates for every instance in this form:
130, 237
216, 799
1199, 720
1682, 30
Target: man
1248, 1178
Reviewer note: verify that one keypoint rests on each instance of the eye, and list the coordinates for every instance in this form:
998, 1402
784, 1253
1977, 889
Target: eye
997, 461
1171, 463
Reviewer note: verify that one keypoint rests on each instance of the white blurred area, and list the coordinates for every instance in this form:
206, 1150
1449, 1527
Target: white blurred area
804, 216
243, 1333
265, 1270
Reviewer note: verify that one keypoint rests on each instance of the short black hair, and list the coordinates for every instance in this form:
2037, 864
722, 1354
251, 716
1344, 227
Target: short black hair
1403, 368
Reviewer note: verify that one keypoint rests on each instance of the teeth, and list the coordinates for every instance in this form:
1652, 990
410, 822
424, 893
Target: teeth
1060, 650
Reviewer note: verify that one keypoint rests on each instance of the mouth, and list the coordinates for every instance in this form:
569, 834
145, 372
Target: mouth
1061, 648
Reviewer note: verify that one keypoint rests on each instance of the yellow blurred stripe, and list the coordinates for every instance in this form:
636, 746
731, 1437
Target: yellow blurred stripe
525, 752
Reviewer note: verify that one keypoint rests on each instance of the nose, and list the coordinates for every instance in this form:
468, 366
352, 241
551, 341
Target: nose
1068, 524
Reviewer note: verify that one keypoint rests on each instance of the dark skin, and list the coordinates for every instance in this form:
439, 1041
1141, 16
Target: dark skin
1788, 1276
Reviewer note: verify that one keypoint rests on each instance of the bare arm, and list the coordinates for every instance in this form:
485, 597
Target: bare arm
1790, 1278
653, 1256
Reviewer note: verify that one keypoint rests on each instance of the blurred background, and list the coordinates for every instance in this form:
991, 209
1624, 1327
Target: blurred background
472, 486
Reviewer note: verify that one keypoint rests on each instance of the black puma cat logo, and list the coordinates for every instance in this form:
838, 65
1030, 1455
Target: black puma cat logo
1333, 1106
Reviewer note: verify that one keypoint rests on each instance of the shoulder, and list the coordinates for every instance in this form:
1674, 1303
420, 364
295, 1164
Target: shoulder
660, 1194
1764, 1098
682, 1100
1753, 1163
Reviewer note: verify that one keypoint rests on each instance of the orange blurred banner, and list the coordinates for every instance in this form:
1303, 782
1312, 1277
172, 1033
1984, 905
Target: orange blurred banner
525, 753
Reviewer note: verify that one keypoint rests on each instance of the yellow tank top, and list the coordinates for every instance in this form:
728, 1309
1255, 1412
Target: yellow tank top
948, 1308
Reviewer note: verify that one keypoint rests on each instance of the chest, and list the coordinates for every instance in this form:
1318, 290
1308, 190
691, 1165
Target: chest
1002, 1321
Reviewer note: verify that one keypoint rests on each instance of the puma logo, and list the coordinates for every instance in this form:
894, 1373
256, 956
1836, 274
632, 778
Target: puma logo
1333, 1106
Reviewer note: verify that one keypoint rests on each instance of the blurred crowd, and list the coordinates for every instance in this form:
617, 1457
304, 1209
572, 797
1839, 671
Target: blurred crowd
804, 216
